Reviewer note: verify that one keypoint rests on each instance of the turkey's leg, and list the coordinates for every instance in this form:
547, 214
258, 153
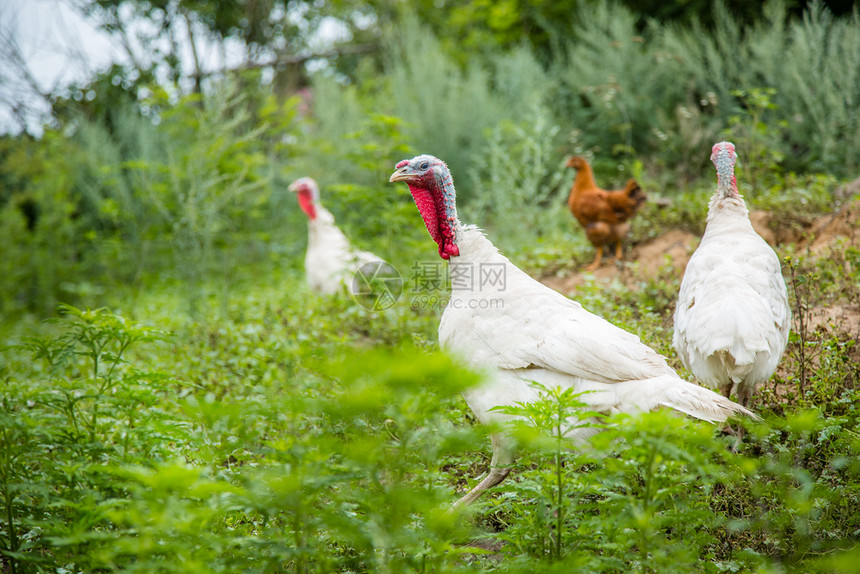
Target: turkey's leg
499, 470
744, 395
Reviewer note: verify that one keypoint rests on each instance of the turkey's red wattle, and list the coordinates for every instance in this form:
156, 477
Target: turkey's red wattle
439, 228
306, 202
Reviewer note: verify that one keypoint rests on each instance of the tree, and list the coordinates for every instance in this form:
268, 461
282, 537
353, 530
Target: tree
278, 34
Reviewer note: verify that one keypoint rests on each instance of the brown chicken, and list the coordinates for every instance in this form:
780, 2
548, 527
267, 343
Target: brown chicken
604, 214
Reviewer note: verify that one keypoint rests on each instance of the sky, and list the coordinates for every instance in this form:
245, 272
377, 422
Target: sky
61, 47
58, 45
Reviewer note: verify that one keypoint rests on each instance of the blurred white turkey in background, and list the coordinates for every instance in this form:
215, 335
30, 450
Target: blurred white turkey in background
330, 260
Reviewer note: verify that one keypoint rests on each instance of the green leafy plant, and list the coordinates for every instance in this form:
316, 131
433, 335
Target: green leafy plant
636, 494
518, 184
758, 138
84, 414
544, 427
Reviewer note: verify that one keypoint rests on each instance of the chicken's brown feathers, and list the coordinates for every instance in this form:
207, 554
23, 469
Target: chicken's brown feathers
604, 214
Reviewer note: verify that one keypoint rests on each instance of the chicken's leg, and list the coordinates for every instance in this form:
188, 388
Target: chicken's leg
619, 254
597, 258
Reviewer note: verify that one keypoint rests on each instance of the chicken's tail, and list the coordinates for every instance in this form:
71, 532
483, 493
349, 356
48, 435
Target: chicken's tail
634, 192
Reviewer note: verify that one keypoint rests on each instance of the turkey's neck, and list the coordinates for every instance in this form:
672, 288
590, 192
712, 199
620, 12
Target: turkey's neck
726, 210
476, 251
726, 201
448, 202
321, 226
447, 225
727, 183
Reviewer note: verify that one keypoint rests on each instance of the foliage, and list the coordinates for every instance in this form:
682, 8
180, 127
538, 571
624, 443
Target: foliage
755, 134
659, 493
113, 205
301, 433
517, 186
266, 31
334, 467
545, 530
275, 430
166, 185
60, 432
447, 109
814, 88
605, 78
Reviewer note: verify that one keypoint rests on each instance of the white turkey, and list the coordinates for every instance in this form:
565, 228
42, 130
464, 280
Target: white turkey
330, 260
500, 319
732, 318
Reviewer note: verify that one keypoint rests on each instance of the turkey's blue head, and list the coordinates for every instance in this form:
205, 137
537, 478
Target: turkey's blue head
724, 158
432, 189
308, 194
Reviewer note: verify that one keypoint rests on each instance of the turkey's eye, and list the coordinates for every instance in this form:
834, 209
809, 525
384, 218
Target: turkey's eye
424, 165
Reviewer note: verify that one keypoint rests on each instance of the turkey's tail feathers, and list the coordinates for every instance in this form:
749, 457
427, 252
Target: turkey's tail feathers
702, 403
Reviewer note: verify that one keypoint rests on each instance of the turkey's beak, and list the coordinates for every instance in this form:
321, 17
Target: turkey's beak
293, 187
405, 173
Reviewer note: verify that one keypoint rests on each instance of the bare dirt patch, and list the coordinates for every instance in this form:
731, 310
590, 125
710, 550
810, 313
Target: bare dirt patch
645, 260
838, 319
822, 237
835, 231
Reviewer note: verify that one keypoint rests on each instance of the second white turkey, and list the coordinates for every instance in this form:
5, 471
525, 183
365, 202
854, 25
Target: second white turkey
732, 318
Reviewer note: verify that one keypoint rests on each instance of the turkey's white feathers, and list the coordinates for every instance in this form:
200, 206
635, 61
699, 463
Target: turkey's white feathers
528, 332
330, 260
732, 318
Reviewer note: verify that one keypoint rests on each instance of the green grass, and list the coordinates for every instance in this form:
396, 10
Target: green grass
276, 431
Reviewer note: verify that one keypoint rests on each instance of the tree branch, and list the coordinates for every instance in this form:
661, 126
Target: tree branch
197, 77
294, 60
